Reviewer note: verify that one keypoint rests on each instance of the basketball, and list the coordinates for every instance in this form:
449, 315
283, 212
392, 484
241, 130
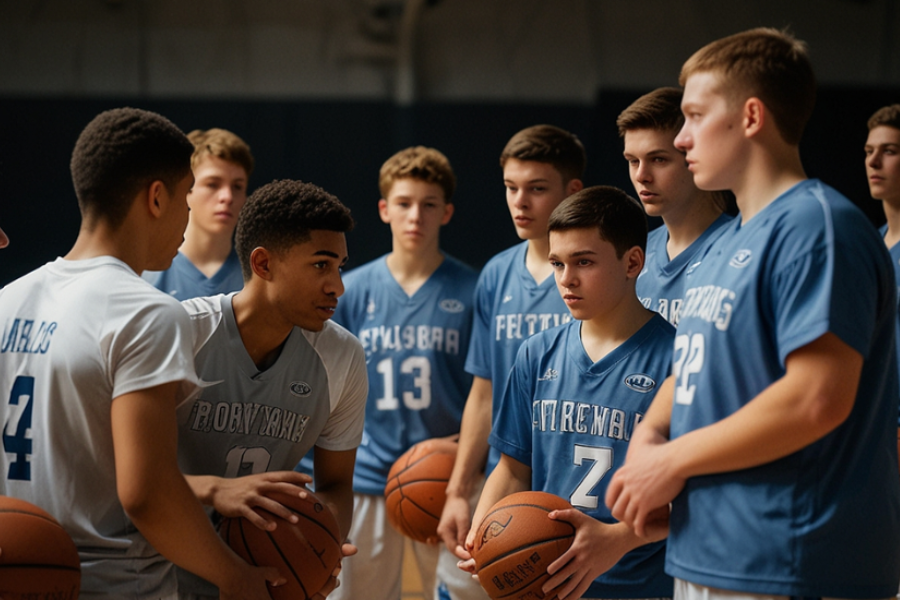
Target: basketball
306, 553
516, 542
38, 559
417, 488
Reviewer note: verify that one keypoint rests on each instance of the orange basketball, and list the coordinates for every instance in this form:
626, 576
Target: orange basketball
306, 553
516, 542
417, 488
39, 559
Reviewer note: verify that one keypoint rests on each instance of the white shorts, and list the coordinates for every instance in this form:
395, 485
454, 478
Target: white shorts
685, 590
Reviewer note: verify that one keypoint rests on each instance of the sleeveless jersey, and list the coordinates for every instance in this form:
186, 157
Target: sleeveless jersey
415, 350
183, 280
76, 335
510, 306
660, 284
824, 521
250, 421
571, 419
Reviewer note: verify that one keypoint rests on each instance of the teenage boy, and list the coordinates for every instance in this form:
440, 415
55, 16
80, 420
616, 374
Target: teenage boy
286, 378
692, 218
774, 439
515, 298
206, 263
577, 391
95, 361
412, 310
883, 171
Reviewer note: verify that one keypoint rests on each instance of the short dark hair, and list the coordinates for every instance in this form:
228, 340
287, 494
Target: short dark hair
548, 144
886, 115
120, 152
284, 213
618, 218
222, 144
659, 110
765, 63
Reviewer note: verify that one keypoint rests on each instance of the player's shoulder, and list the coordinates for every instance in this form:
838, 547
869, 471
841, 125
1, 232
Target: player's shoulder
204, 305
456, 265
334, 338
654, 237
544, 341
502, 264
365, 271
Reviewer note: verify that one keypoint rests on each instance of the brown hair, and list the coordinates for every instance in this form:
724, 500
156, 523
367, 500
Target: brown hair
223, 144
767, 64
418, 162
548, 144
659, 110
618, 218
886, 115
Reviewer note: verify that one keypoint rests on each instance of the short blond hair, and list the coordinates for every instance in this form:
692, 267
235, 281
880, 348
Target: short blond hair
765, 63
421, 163
223, 144
886, 115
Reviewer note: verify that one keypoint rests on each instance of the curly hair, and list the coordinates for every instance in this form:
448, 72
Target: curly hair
421, 163
282, 214
618, 218
548, 144
120, 152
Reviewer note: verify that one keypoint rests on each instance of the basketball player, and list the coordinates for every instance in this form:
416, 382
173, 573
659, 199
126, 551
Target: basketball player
412, 310
883, 171
285, 377
206, 263
515, 298
94, 362
692, 218
774, 439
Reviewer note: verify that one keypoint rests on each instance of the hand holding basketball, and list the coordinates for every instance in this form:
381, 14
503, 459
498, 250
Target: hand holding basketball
239, 496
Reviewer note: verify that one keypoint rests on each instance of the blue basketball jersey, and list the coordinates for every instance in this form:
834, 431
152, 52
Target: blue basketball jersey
416, 349
895, 259
510, 306
183, 280
824, 521
571, 419
660, 284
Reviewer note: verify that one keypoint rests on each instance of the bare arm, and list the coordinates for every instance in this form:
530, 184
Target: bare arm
815, 395
161, 504
470, 459
333, 471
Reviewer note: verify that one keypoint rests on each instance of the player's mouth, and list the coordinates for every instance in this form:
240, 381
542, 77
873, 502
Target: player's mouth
647, 195
522, 221
570, 299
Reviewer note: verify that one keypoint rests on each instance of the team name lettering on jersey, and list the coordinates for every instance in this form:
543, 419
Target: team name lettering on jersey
668, 308
569, 416
710, 303
517, 326
20, 335
420, 337
241, 418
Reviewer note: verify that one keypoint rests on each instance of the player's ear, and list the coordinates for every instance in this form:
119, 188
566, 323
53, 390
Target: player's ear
382, 211
153, 196
448, 213
634, 262
260, 260
574, 185
754, 116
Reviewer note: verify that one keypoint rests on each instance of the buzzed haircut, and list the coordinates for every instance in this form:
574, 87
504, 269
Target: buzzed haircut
282, 214
765, 63
659, 110
618, 218
886, 115
222, 144
548, 144
119, 153
420, 163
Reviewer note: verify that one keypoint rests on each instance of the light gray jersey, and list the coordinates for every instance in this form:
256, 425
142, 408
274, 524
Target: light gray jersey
76, 335
250, 421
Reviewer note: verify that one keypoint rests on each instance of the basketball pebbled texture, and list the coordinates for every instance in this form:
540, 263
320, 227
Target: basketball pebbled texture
416, 488
305, 553
516, 542
39, 558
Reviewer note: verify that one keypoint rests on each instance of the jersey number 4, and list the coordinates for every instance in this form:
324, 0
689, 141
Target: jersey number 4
17, 429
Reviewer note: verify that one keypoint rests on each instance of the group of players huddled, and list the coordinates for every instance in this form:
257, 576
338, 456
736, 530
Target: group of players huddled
717, 399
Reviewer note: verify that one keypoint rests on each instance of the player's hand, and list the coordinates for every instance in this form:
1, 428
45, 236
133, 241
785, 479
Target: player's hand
251, 583
347, 549
237, 497
642, 488
455, 524
593, 552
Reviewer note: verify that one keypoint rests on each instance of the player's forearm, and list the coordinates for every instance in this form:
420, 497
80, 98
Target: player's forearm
475, 429
338, 497
814, 397
204, 487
